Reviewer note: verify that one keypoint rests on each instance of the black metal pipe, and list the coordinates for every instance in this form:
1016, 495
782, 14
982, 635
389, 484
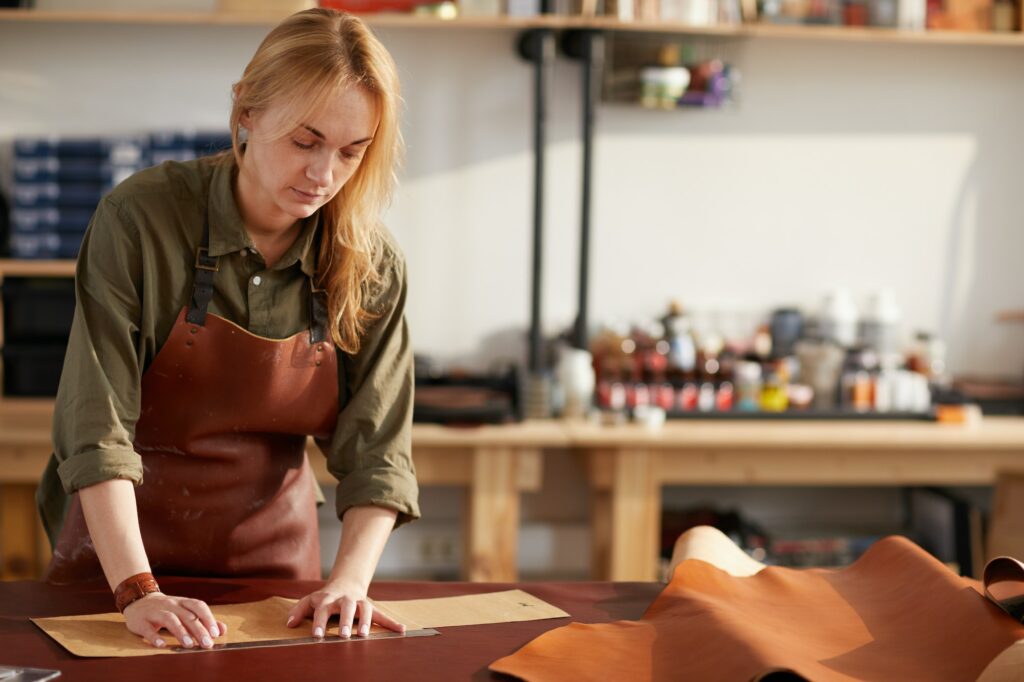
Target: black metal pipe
538, 47
588, 47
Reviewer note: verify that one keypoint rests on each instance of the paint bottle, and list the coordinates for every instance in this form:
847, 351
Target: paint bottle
773, 395
880, 326
748, 386
838, 319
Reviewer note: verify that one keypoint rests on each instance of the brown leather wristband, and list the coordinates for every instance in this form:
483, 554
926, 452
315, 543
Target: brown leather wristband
133, 588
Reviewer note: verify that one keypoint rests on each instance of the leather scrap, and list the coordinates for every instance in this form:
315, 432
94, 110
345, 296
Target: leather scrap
895, 614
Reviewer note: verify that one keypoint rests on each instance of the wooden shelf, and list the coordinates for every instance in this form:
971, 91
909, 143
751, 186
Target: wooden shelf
227, 19
825, 33
14, 267
396, 20
884, 35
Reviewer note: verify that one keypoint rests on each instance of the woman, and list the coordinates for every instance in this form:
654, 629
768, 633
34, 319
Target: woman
226, 309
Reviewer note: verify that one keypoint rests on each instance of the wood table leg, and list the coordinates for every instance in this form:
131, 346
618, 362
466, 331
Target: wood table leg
635, 516
492, 519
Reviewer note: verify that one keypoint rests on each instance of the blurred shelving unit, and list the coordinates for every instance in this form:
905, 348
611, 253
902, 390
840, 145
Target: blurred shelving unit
396, 20
626, 467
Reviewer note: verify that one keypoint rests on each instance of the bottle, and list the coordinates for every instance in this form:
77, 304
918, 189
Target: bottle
748, 386
576, 375
856, 383
724, 397
838, 319
662, 84
688, 395
773, 395
884, 391
879, 329
910, 14
821, 367
706, 397
762, 344
786, 329
682, 351
928, 358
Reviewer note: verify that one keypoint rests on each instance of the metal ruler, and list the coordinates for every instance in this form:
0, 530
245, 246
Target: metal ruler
329, 639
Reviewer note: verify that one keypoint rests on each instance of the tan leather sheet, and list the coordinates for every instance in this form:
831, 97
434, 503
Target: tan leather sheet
105, 634
895, 614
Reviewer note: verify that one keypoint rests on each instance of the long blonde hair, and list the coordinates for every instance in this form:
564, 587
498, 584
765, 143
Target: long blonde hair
304, 62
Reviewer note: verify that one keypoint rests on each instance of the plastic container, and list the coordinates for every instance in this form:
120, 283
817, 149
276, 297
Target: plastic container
786, 326
662, 86
38, 309
33, 370
880, 326
748, 386
838, 320
576, 376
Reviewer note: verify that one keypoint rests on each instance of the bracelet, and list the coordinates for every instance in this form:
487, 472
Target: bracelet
134, 588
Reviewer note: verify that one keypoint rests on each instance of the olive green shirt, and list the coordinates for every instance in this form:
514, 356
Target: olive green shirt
134, 275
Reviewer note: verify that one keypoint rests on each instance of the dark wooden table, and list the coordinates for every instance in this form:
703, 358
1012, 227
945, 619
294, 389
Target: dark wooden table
459, 653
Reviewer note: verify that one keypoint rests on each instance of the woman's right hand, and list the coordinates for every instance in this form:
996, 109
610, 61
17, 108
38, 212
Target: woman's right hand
189, 620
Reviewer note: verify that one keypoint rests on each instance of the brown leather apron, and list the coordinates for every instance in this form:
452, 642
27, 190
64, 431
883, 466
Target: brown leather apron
227, 489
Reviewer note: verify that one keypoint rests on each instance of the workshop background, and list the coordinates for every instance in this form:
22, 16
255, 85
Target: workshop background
874, 168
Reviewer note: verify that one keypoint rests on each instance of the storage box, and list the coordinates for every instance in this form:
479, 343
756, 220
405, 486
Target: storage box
32, 370
38, 309
44, 244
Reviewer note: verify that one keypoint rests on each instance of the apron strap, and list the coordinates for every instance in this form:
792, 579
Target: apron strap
202, 285
317, 313
317, 297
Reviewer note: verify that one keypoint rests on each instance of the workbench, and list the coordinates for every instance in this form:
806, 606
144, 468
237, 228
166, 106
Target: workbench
626, 467
494, 464
458, 653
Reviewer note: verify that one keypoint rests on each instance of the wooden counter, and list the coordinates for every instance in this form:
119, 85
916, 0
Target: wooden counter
494, 463
626, 467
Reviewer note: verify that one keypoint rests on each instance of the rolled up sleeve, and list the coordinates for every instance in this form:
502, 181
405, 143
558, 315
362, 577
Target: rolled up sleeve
370, 451
97, 403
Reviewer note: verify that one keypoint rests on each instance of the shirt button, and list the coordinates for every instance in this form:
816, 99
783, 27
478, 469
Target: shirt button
256, 280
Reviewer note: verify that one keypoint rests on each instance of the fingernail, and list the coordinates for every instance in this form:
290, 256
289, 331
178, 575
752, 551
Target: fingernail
318, 631
207, 642
346, 631
159, 643
365, 630
291, 619
187, 642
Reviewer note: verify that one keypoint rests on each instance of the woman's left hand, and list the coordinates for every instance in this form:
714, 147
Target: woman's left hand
347, 601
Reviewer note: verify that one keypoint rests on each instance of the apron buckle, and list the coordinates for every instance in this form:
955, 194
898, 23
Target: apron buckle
204, 261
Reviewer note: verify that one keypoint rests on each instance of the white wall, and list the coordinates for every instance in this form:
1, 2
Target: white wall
842, 164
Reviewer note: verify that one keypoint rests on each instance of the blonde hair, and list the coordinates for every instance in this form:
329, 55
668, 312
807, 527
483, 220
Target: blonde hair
304, 62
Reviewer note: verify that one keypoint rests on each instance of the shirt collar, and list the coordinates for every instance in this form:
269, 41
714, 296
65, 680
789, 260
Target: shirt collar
227, 230
303, 250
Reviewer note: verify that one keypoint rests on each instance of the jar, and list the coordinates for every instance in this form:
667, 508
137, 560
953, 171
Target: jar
662, 86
